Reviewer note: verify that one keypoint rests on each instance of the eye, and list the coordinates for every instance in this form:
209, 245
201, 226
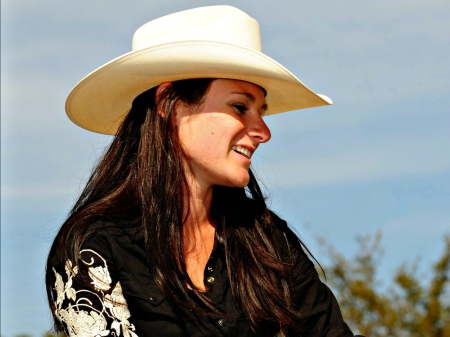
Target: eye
241, 108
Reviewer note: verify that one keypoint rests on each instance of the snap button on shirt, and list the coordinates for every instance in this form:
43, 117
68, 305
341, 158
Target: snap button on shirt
222, 322
210, 280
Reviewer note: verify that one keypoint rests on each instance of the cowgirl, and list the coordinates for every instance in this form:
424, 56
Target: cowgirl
171, 235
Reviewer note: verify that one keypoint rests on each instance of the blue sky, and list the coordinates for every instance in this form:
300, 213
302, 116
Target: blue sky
378, 159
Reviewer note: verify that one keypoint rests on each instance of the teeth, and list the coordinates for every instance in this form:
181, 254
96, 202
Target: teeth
242, 150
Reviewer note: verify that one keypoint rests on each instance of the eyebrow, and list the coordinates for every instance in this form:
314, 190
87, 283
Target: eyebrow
251, 98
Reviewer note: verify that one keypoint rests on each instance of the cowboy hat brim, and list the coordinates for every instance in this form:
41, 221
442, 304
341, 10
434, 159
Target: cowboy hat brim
101, 100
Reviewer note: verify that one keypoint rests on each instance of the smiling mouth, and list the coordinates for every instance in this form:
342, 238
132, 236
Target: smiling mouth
242, 151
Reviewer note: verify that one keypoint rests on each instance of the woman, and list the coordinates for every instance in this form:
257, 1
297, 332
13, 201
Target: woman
171, 235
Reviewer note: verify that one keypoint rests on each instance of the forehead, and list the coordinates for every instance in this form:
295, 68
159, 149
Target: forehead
228, 86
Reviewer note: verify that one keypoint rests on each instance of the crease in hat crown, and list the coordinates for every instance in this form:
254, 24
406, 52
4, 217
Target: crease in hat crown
205, 42
223, 24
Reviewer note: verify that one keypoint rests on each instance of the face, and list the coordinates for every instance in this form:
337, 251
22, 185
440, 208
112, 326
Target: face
221, 135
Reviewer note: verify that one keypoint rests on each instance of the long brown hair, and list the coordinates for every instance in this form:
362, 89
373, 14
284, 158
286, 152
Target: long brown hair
142, 176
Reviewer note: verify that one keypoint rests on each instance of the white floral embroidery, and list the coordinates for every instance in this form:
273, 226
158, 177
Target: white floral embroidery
81, 324
99, 275
70, 292
80, 317
59, 286
118, 306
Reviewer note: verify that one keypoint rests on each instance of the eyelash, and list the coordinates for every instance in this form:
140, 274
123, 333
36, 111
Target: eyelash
241, 108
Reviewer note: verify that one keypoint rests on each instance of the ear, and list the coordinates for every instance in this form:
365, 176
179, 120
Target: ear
161, 88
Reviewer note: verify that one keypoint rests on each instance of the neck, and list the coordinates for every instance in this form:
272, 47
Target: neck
199, 202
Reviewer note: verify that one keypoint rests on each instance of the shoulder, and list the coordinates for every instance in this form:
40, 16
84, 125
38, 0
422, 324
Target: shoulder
125, 232
99, 233
101, 242
103, 232
292, 249
284, 233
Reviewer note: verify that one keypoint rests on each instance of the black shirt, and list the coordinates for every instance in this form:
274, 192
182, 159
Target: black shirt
125, 301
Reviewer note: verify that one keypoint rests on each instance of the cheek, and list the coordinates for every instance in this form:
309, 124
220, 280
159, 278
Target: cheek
199, 140
207, 137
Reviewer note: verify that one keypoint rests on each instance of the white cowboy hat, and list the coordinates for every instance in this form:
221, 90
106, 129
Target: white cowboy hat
205, 42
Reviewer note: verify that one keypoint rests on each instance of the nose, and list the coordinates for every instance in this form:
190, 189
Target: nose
259, 130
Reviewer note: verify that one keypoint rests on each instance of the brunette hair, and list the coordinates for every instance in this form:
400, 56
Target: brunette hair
142, 176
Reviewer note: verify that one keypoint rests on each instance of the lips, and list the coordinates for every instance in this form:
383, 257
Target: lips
242, 151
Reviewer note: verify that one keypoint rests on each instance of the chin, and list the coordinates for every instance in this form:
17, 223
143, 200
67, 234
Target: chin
240, 181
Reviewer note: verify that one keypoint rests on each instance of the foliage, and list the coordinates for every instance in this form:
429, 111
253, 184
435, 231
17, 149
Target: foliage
47, 334
412, 306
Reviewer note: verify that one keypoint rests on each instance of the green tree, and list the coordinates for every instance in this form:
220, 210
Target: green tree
411, 306
51, 334
47, 334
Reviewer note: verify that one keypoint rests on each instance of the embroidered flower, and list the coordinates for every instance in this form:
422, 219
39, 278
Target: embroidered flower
119, 309
82, 324
59, 286
71, 272
117, 303
88, 313
100, 278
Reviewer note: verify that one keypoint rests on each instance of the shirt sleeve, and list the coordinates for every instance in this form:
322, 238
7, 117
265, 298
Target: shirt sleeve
312, 298
94, 306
